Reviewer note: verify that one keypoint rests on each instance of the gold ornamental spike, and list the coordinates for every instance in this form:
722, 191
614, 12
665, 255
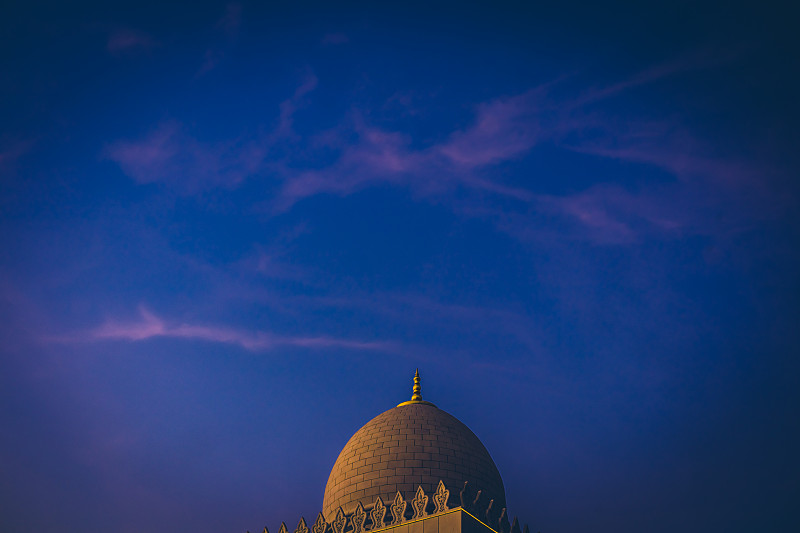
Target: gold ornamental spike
416, 397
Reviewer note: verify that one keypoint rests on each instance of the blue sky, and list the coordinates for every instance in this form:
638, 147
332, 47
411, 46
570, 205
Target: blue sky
231, 232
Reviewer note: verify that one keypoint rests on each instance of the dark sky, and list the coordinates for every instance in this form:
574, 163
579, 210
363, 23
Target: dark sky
229, 233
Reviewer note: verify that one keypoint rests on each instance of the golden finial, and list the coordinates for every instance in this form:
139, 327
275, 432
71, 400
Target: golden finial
416, 397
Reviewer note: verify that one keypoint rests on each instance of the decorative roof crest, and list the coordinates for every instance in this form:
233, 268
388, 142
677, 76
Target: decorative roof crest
419, 503
377, 514
320, 525
358, 519
440, 498
339, 522
398, 509
416, 396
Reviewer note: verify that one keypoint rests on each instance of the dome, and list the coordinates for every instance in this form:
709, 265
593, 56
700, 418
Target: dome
413, 444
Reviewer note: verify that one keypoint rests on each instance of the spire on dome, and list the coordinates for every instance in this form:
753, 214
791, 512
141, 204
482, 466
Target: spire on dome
416, 397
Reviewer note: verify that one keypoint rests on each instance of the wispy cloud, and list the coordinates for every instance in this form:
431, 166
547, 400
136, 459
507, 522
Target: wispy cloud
128, 40
289, 107
612, 215
504, 128
381, 156
150, 326
171, 156
358, 155
675, 152
377, 156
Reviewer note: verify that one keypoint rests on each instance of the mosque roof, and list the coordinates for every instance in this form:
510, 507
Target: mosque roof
413, 445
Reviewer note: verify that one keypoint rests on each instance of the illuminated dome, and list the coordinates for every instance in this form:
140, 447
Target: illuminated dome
414, 444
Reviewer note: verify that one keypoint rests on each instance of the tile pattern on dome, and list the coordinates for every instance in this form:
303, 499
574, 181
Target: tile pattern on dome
404, 448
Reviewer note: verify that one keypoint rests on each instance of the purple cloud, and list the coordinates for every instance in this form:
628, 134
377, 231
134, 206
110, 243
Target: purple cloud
680, 157
150, 326
508, 128
289, 107
612, 215
376, 156
171, 156
380, 156
504, 128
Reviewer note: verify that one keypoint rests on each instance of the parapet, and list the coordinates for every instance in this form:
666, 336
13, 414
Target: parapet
400, 512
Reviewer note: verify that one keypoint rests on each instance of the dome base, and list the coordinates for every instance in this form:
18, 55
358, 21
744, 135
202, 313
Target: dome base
416, 402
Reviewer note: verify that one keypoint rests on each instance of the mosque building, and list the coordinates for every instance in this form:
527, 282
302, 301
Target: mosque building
413, 469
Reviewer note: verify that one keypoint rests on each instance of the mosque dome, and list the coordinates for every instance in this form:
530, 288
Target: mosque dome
414, 444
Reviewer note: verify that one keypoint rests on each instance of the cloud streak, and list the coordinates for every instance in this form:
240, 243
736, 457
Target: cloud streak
290, 106
612, 215
171, 156
150, 326
504, 129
